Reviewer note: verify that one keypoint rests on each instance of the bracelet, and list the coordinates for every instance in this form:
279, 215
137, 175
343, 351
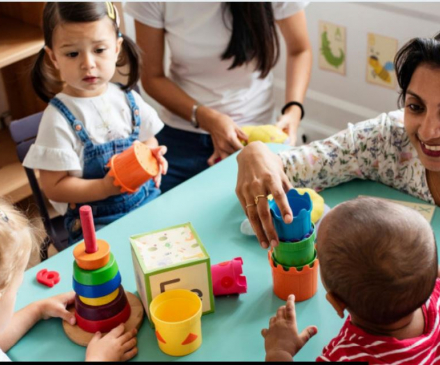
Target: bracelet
194, 121
290, 103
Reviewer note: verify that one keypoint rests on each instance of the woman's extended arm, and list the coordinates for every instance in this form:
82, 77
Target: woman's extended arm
225, 133
298, 68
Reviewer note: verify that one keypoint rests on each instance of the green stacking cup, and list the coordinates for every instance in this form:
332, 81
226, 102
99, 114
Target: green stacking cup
296, 253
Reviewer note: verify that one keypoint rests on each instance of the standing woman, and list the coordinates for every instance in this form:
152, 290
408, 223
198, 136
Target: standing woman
220, 75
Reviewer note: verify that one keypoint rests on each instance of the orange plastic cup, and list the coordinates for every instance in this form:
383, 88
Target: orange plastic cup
302, 283
133, 167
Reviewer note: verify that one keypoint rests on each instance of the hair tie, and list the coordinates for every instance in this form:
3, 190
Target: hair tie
3, 216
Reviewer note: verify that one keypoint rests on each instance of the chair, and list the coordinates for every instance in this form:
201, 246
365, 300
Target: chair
24, 132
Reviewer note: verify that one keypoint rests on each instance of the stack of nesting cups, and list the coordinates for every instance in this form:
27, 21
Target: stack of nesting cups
294, 261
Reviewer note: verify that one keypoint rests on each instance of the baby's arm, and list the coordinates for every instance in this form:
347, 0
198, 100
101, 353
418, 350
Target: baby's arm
282, 340
60, 187
27, 317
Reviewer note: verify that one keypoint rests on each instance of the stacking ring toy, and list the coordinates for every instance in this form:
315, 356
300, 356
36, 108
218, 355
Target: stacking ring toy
105, 312
96, 291
95, 260
96, 277
96, 302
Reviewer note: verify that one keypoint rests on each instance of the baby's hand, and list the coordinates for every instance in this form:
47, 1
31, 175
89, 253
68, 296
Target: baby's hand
56, 307
282, 340
114, 346
158, 152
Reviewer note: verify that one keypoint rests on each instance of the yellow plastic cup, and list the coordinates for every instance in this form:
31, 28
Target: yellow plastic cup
176, 315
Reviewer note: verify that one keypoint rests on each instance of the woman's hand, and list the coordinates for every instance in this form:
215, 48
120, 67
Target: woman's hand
55, 307
114, 346
289, 123
226, 135
261, 172
158, 152
282, 340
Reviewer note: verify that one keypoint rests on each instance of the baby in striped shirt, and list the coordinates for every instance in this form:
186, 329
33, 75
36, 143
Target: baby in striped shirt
378, 261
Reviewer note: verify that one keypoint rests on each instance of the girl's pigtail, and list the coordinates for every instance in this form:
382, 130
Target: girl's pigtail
130, 54
39, 79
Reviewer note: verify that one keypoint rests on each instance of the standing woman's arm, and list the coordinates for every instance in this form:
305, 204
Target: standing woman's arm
298, 68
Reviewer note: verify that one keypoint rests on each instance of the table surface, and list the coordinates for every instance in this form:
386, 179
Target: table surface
233, 331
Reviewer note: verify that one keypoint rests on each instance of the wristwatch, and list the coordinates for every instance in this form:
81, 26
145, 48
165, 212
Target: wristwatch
194, 121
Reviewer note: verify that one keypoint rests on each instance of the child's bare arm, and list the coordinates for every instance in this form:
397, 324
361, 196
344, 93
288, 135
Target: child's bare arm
282, 340
27, 317
59, 186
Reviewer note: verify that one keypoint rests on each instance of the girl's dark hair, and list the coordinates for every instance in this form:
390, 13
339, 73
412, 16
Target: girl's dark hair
253, 36
411, 56
44, 78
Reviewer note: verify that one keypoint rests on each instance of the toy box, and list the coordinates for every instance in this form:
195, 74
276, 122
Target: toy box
172, 258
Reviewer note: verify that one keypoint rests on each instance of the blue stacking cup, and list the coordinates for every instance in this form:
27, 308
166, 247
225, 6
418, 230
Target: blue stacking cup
301, 225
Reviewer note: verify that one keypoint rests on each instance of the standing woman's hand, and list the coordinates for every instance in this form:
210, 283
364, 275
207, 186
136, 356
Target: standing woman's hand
261, 172
226, 135
289, 123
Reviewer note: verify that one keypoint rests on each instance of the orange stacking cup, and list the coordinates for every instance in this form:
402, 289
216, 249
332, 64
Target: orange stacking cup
302, 283
133, 167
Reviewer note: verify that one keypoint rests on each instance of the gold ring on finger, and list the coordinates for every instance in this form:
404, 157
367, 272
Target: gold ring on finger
258, 197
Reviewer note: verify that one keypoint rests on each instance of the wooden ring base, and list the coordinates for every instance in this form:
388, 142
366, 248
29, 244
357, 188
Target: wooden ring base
82, 338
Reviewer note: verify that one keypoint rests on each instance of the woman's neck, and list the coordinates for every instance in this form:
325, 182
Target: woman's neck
433, 179
410, 326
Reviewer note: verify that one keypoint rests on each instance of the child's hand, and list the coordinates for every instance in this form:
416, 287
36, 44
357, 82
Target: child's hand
55, 307
108, 186
158, 152
282, 340
114, 346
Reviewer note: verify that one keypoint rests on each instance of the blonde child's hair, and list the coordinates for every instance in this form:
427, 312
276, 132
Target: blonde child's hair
18, 238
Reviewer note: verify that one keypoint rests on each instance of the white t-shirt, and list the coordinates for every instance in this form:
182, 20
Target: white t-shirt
4, 357
197, 37
105, 117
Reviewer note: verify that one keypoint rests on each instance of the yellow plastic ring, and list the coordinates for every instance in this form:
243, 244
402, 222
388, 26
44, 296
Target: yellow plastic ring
96, 302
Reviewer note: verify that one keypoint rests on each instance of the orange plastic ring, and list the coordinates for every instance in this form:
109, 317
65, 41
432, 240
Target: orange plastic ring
95, 260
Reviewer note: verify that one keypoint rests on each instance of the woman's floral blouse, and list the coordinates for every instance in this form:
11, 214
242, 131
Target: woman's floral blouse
377, 149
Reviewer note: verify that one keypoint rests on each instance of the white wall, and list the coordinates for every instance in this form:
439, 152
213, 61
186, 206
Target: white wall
334, 100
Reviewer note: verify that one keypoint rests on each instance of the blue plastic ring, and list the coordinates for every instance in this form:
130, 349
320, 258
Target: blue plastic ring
96, 291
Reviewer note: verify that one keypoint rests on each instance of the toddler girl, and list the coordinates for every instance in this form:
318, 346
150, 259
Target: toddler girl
91, 119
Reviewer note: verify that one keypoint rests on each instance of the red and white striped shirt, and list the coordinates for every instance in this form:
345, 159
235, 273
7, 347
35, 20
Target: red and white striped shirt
354, 344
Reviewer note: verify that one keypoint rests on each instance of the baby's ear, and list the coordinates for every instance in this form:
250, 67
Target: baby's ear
336, 303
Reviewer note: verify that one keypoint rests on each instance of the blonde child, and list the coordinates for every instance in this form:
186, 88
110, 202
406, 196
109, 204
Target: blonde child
91, 119
378, 260
17, 239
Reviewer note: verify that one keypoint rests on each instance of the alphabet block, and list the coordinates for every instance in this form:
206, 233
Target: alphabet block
172, 258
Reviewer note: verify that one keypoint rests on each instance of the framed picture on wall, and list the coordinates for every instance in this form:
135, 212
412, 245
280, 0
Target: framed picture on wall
332, 47
380, 56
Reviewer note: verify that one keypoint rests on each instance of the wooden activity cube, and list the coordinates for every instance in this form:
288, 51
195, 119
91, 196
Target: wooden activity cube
172, 258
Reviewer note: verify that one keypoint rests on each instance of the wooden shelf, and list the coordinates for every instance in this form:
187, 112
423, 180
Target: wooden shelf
13, 182
18, 40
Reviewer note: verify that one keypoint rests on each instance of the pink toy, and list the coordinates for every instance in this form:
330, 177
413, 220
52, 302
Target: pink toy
227, 279
48, 278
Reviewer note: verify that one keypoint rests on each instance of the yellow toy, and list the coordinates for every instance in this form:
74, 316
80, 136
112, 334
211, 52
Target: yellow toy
264, 133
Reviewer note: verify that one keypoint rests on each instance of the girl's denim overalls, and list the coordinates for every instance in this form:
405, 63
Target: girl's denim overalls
96, 158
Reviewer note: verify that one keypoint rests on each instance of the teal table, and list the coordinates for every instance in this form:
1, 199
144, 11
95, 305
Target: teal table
233, 331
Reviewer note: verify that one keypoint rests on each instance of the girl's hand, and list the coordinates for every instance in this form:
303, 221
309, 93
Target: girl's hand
108, 187
114, 346
158, 152
289, 123
282, 340
261, 172
226, 135
55, 307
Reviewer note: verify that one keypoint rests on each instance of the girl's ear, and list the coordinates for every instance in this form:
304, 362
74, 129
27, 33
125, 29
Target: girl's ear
119, 45
52, 57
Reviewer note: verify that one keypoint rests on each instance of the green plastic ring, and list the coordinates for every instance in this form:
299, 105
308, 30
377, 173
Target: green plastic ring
96, 277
